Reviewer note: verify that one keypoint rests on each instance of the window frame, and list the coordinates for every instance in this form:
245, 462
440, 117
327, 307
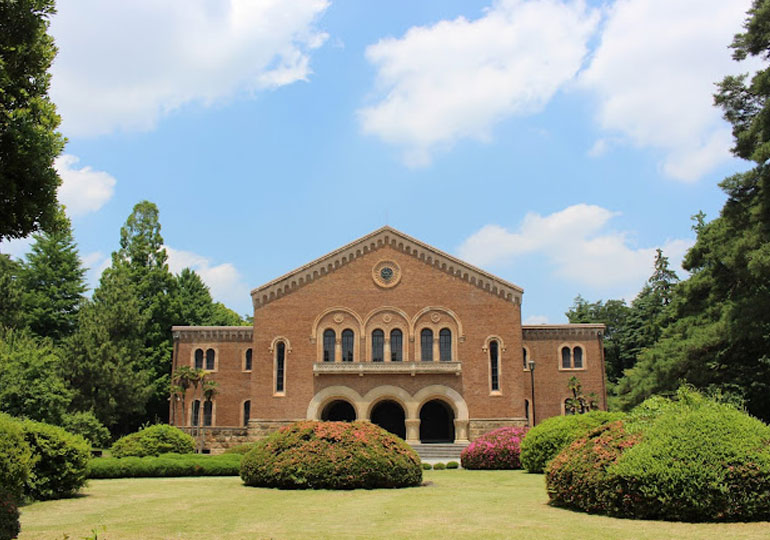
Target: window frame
495, 370
378, 334
423, 334
279, 368
248, 359
571, 348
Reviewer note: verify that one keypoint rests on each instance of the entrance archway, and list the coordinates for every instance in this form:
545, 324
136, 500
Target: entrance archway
338, 411
437, 422
390, 416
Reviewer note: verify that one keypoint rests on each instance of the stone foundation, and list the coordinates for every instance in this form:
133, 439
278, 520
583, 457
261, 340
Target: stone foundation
479, 426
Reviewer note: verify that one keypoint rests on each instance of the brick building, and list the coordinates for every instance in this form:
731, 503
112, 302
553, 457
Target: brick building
391, 330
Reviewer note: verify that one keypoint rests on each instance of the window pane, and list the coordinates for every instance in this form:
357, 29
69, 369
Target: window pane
493, 365
378, 346
426, 345
396, 345
246, 412
445, 345
524, 355
210, 359
198, 358
329, 338
196, 409
347, 345
280, 358
208, 406
565, 360
578, 352
249, 355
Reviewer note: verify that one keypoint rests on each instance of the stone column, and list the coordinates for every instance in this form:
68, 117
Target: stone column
386, 350
412, 430
461, 431
338, 350
435, 350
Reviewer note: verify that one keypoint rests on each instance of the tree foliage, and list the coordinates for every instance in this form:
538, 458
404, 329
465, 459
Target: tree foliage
29, 141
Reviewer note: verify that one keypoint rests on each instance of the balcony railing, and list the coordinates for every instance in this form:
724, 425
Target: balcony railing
386, 368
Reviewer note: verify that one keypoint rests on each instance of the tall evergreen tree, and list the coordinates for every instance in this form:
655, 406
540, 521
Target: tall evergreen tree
10, 292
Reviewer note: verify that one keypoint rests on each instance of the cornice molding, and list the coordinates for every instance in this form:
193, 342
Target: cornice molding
386, 236
553, 331
212, 333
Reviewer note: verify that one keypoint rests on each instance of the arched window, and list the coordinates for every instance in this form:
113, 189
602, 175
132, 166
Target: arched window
196, 410
378, 346
246, 412
210, 355
396, 345
249, 356
445, 345
526, 410
494, 366
577, 357
347, 345
198, 358
329, 340
208, 407
566, 362
524, 355
280, 367
426, 345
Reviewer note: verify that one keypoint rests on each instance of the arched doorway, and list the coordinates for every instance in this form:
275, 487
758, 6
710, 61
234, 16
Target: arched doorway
338, 411
437, 422
390, 416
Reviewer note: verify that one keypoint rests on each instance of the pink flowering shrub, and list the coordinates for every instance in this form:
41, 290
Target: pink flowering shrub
498, 449
331, 455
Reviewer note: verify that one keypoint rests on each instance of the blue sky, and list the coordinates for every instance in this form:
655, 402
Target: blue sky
553, 143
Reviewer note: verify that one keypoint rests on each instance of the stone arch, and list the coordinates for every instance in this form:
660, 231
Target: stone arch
451, 314
327, 395
324, 313
446, 394
280, 338
393, 393
396, 318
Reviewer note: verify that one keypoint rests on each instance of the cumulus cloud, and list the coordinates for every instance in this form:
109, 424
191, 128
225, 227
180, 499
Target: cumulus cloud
83, 190
536, 319
126, 64
576, 243
457, 78
224, 280
96, 263
653, 75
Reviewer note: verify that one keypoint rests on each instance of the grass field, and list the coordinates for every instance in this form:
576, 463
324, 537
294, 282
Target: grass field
453, 504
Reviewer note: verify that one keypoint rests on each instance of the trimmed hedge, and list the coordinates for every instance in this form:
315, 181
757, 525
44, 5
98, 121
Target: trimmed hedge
165, 465
154, 441
544, 441
331, 455
452, 465
498, 449
688, 460
15, 461
59, 461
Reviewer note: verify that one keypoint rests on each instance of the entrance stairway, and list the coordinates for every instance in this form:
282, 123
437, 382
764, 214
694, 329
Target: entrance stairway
432, 452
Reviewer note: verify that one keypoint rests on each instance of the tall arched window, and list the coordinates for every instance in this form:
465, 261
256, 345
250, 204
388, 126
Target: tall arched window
445, 345
348, 339
208, 408
396, 345
280, 366
526, 411
210, 356
524, 355
249, 357
378, 346
494, 366
329, 340
426, 345
198, 358
565, 358
577, 356
246, 412
196, 411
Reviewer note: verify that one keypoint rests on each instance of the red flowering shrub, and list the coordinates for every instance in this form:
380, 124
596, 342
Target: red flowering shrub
331, 455
9, 517
498, 449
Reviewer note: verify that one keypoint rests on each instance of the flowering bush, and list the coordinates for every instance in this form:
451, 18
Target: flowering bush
687, 460
331, 455
498, 449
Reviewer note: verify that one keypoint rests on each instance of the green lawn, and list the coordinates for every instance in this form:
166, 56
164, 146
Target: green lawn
454, 504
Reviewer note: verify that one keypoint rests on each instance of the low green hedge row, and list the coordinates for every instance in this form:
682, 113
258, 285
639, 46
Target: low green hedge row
154, 441
165, 465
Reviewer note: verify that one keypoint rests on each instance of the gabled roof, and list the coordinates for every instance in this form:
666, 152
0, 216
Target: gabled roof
386, 236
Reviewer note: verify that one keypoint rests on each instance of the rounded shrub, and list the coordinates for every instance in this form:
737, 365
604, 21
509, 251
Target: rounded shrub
331, 455
498, 449
544, 441
452, 465
87, 425
689, 460
14, 469
439, 466
9, 517
153, 441
59, 461
426, 466
240, 448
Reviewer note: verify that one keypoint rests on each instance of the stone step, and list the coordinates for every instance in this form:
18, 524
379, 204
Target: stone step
439, 451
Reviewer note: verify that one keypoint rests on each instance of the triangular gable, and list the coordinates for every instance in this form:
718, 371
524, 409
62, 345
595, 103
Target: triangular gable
386, 236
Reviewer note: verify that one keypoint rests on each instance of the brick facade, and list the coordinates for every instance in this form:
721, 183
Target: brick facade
382, 283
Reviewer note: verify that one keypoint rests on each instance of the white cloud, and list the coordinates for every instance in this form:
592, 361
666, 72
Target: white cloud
123, 65
16, 247
82, 190
653, 75
224, 280
96, 263
456, 79
536, 319
576, 243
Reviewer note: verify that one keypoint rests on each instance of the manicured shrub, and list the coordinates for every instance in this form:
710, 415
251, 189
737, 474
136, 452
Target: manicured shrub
59, 461
544, 441
427, 466
439, 466
452, 465
688, 460
153, 441
331, 455
165, 465
14, 469
498, 449
87, 425
240, 448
